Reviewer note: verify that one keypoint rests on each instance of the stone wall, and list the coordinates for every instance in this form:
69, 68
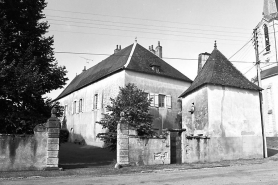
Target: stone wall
26, 152
31, 152
205, 149
135, 150
225, 125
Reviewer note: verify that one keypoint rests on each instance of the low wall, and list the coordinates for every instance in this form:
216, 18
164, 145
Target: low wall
135, 150
26, 152
149, 151
31, 152
203, 149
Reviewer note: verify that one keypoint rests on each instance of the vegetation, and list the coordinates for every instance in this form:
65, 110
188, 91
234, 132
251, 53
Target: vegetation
28, 68
135, 105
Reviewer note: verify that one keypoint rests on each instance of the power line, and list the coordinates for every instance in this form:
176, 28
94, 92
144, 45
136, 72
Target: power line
240, 48
104, 54
138, 31
97, 20
144, 28
249, 69
117, 35
155, 20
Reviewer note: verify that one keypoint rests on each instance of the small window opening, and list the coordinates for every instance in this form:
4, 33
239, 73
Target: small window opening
266, 36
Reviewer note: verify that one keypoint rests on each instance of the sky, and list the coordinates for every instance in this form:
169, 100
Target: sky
185, 28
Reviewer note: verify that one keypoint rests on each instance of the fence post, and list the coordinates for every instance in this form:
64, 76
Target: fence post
122, 141
53, 131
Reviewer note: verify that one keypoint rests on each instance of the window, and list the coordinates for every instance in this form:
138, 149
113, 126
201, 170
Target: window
74, 107
95, 101
65, 110
161, 100
156, 69
266, 36
81, 105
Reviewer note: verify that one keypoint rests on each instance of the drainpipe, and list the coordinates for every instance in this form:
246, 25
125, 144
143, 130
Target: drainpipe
275, 41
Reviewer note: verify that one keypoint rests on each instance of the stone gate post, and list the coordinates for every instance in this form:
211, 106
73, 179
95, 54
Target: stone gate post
53, 129
122, 141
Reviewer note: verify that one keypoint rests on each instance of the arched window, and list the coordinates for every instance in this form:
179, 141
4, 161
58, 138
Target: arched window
266, 36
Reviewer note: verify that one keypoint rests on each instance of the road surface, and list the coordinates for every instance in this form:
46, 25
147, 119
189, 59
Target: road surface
253, 174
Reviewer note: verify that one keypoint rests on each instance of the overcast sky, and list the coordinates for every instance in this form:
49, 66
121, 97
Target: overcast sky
184, 28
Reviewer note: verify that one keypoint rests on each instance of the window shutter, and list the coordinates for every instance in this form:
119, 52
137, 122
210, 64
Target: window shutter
92, 102
168, 101
83, 105
156, 100
152, 101
99, 103
77, 107
72, 107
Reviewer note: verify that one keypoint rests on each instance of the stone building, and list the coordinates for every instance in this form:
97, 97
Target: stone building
86, 97
267, 49
221, 113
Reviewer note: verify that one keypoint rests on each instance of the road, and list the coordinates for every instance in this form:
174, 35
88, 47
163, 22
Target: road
254, 174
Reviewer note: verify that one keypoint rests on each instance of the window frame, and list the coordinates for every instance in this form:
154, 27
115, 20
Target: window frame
161, 101
80, 107
95, 101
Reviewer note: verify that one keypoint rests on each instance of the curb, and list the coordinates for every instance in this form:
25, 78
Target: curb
182, 169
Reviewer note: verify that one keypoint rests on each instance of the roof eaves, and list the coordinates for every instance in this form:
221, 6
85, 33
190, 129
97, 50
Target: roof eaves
268, 76
116, 71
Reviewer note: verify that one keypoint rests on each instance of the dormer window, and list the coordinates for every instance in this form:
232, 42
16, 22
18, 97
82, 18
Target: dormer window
155, 68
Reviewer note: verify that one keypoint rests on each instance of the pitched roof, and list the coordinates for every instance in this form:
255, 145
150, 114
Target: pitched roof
269, 72
134, 57
218, 70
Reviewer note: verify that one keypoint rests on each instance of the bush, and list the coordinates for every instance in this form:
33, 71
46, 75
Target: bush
134, 103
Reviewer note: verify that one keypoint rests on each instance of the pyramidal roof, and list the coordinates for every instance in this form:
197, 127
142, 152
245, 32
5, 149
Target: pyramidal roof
134, 57
218, 70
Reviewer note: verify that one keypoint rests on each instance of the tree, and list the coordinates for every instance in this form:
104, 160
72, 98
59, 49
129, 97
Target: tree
28, 68
135, 105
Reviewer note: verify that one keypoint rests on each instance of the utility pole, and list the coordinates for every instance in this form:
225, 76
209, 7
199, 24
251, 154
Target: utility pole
255, 35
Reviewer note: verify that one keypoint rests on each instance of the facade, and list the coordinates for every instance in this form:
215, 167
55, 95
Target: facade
86, 97
267, 47
221, 113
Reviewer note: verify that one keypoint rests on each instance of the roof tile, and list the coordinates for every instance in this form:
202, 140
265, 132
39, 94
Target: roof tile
141, 61
218, 70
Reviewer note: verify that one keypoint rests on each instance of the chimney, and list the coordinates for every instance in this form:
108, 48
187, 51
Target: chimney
202, 60
84, 69
151, 49
158, 51
118, 48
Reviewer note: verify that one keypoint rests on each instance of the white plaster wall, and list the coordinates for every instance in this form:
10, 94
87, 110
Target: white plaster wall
270, 85
163, 117
196, 123
83, 125
233, 112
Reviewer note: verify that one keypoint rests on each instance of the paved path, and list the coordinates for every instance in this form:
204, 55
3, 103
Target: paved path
256, 174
